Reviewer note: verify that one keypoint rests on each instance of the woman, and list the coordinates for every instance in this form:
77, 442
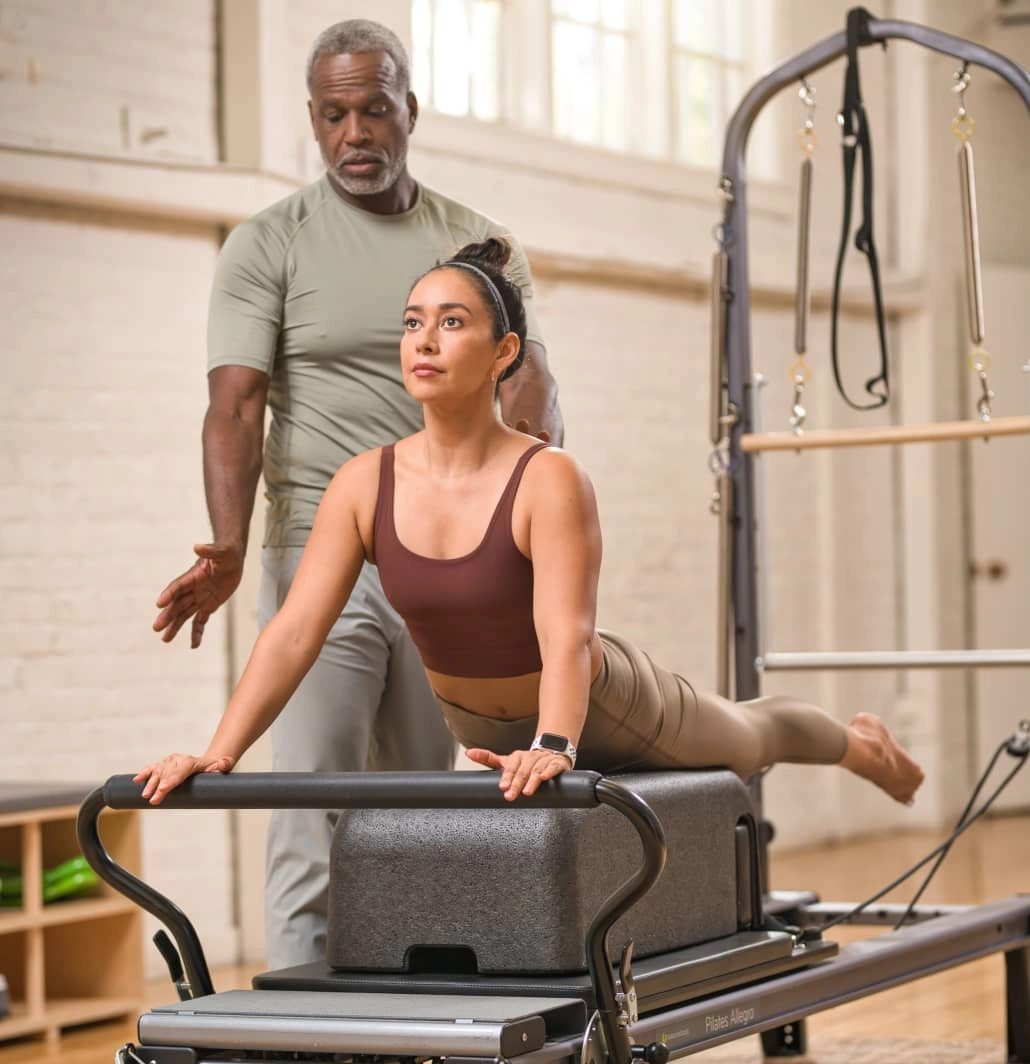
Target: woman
488, 546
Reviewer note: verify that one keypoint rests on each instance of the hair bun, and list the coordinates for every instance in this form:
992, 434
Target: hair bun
492, 252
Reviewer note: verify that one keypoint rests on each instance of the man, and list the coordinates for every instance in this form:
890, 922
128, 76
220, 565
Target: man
305, 319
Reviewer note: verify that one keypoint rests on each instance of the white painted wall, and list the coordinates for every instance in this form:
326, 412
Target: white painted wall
108, 243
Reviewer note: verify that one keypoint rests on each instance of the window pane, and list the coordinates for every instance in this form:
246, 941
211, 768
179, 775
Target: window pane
734, 30
581, 10
575, 81
613, 116
456, 46
486, 60
451, 51
615, 14
736, 86
698, 25
421, 39
699, 110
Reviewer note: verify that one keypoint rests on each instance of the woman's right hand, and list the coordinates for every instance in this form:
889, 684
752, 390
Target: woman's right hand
165, 775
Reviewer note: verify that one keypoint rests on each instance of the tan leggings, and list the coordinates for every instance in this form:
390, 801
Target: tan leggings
644, 717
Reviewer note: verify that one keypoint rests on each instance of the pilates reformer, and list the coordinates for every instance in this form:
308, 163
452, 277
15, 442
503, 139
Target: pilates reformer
424, 963
607, 919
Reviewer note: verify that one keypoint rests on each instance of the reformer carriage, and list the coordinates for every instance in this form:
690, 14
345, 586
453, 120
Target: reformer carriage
604, 919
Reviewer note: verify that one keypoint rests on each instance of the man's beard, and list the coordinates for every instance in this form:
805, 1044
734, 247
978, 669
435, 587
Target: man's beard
373, 184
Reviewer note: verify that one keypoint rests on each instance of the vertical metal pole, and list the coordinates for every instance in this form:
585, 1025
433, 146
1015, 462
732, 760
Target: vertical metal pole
763, 604
717, 432
717, 360
724, 612
738, 379
1017, 1002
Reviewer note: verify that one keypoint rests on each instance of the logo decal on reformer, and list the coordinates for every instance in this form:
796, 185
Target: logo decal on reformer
723, 1021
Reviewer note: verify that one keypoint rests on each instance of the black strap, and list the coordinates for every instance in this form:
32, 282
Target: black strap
855, 138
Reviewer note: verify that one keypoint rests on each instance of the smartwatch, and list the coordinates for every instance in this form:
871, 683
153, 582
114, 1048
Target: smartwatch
555, 744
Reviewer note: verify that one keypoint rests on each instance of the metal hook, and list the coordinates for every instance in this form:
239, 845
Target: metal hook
962, 78
807, 94
979, 363
962, 124
806, 136
983, 404
798, 413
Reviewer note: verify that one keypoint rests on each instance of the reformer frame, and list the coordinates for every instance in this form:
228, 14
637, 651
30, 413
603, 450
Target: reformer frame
733, 408
663, 1008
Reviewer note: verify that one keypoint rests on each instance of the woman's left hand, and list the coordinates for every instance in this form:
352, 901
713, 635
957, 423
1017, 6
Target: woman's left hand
522, 771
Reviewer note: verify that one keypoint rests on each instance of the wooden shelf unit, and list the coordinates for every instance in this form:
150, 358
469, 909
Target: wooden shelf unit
77, 960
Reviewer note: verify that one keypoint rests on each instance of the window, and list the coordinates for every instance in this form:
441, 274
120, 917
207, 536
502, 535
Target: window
456, 56
657, 78
592, 49
714, 57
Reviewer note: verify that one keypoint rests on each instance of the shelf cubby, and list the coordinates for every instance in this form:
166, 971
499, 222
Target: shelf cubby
76, 960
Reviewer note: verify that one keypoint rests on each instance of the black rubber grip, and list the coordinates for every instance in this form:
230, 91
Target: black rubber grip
356, 790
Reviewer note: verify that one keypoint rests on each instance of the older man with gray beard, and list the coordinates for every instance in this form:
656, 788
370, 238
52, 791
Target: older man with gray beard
305, 319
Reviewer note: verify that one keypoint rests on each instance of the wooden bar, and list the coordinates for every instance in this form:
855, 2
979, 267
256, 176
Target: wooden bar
935, 432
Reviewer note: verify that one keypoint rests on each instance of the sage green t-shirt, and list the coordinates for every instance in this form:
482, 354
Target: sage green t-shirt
312, 291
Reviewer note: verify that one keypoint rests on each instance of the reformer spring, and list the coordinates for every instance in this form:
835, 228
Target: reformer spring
963, 126
799, 374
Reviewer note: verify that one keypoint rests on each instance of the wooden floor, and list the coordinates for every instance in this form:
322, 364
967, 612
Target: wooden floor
992, 861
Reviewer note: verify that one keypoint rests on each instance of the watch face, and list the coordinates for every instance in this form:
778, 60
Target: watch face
558, 743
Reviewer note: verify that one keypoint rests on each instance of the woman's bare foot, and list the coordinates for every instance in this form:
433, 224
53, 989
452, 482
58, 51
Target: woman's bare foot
873, 754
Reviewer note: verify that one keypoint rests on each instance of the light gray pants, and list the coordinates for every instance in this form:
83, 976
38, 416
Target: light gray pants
364, 705
643, 717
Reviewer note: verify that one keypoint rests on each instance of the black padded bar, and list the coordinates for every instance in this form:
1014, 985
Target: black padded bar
382, 790
652, 840
355, 790
148, 899
298, 790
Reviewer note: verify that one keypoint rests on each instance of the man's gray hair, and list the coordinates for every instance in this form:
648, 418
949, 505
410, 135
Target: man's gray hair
356, 36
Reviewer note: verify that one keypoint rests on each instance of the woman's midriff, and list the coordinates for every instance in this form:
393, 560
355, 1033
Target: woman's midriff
502, 697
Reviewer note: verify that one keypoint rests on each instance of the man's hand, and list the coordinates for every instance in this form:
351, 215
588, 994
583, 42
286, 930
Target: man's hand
165, 775
522, 425
199, 591
522, 771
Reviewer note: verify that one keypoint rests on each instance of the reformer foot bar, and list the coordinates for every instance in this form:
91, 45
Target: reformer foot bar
674, 1003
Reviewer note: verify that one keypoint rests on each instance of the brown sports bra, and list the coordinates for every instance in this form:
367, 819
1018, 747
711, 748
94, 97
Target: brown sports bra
470, 616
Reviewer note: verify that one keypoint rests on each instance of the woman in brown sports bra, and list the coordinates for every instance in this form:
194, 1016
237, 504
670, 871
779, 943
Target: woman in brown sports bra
488, 545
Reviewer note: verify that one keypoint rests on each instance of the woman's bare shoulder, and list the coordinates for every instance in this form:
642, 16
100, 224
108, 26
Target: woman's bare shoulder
556, 463
359, 473
554, 473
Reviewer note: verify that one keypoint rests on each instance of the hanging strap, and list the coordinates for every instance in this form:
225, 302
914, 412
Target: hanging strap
855, 138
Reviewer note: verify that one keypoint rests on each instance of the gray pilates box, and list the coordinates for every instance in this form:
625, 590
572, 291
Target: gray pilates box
515, 891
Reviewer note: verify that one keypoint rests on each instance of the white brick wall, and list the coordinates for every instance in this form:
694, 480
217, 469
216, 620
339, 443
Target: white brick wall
118, 77
100, 502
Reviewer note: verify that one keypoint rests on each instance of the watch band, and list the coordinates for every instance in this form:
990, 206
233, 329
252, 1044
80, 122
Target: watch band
555, 744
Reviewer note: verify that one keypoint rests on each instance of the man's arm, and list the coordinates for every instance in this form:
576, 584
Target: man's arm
529, 399
232, 439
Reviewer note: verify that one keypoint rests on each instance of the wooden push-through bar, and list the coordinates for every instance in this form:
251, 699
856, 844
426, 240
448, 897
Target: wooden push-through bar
935, 432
